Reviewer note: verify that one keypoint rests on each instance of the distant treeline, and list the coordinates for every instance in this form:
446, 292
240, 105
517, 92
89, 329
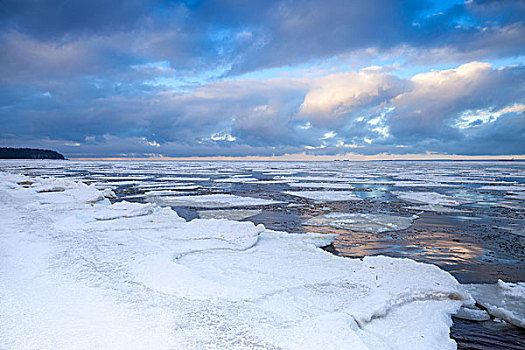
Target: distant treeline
28, 153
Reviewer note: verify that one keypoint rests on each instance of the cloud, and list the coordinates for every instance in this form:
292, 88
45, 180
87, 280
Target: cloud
366, 111
222, 37
338, 98
269, 77
438, 98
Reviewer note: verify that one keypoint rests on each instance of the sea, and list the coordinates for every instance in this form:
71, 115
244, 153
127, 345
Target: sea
466, 217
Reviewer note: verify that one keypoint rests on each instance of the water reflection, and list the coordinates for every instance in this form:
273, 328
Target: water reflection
448, 242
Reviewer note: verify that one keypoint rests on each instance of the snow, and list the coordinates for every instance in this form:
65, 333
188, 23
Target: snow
238, 179
213, 201
314, 178
118, 183
320, 185
471, 314
268, 182
121, 178
503, 188
420, 184
162, 185
122, 210
84, 273
502, 299
325, 195
181, 178
437, 209
362, 222
173, 190
430, 198
516, 195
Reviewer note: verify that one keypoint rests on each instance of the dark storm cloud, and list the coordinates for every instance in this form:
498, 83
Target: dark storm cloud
54, 19
95, 36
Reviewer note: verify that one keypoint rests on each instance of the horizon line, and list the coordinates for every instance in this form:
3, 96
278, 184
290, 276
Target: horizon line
312, 158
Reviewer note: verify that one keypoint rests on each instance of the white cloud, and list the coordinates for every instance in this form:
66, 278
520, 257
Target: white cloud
340, 94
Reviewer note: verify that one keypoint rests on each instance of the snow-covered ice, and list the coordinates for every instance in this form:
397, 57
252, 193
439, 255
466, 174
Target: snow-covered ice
362, 222
230, 214
504, 300
472, 314
420, 184
79, 273
516, 195
213, 201
314, 178
237, 179
437, 209
182, 178
502, 188
335, 185
325, 195
172, 191
430, 198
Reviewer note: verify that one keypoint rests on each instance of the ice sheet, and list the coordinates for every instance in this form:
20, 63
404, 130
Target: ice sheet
325, 195
421, 184
516, 195
503, 188
320, 185
437, 209
83, 274
171, 191
241, 179
430, 198
232, 214
314, 178
182, 178
213, 201
362, 222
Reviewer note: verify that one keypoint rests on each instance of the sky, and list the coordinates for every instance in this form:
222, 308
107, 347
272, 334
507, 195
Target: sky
289, 79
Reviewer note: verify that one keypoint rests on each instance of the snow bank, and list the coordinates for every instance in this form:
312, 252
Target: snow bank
80, 272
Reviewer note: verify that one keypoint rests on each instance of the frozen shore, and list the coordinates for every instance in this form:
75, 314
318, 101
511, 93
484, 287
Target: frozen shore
79, 272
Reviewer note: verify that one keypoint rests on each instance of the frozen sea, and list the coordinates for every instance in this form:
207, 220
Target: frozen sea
468, 218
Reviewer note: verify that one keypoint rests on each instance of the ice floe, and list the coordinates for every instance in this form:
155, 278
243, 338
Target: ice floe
85, 273
213, 201
516, 195
314, 178
325, 195
420, 184
181, 178
121, 178
320, 185
437, 209
503, 188
237, 179
171, 191
362, 222
232, 214
430, 198
503, 300
472, 314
